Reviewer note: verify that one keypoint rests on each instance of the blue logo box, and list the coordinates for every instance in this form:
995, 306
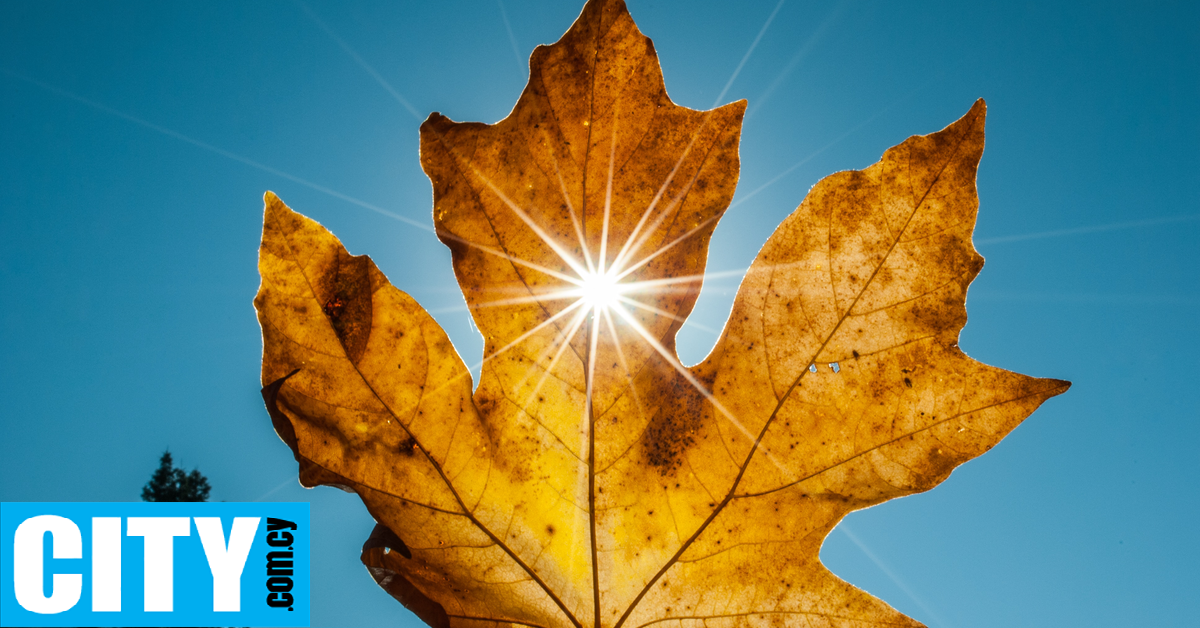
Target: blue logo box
154, 564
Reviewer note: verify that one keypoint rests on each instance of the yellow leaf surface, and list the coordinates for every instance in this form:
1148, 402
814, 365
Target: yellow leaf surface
591, 479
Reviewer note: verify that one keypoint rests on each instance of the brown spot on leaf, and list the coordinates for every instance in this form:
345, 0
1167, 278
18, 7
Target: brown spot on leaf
347, 301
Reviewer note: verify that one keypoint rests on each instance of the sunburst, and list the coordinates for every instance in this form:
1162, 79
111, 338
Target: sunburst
599, 291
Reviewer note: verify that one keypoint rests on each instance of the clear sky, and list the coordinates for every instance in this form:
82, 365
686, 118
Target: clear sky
137, 139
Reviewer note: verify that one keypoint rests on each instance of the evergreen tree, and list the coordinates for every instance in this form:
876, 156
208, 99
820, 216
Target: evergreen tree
170, 484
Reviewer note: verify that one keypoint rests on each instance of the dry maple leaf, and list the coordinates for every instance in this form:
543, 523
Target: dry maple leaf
591, 479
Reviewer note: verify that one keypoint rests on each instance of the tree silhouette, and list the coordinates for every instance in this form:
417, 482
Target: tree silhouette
170, 484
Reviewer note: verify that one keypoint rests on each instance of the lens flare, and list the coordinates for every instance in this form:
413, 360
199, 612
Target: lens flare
600, 291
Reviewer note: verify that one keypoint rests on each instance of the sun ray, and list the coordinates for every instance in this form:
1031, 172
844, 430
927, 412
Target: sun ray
528, 297
612, 329
512, 39
562, 186
554, 245
662, 290
632, 386
663, 188
536, 228
506, 347
362, 63
662, 312
525, 300
511, 258
633, 246
529, 333
805, 160
663, 249
612, 156
746, 57
889, 573
1114, 226
799, 56
916, 90
635, 286
691, 379
703, 123
566, 337
216, 150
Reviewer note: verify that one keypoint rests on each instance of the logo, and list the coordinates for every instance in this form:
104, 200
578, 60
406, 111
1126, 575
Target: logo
154, 564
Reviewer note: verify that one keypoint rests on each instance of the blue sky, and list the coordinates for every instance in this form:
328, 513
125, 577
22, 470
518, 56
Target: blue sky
136, 140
